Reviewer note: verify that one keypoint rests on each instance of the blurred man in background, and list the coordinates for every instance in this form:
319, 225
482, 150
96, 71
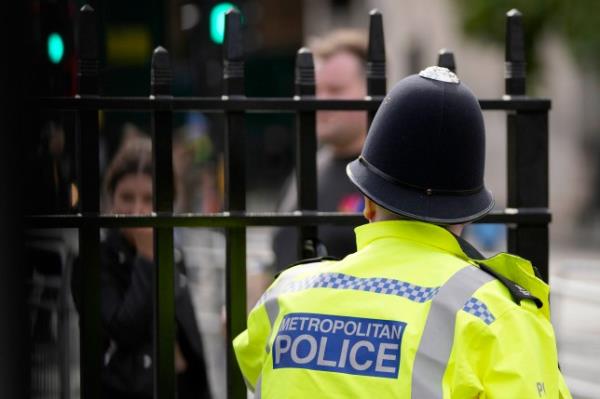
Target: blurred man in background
340, 59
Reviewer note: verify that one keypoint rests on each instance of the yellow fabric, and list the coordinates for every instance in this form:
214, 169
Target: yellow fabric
512, 357
520, 271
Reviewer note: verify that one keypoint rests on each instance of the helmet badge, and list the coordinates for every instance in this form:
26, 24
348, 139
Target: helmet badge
439, 73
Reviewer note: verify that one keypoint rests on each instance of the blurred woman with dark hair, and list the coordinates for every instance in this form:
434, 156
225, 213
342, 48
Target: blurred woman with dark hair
127, 262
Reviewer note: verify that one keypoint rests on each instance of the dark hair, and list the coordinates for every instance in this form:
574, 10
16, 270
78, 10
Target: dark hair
352, 41
134, 157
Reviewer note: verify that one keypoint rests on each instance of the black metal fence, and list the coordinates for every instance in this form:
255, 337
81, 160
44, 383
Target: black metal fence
527, 215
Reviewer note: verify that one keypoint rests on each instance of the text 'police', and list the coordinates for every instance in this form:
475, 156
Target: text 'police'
352, 345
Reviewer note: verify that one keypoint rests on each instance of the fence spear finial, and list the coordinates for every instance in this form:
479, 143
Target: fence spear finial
514, 72
305, 73
88, 64
233, 55
160, 72
376, 76
446, 59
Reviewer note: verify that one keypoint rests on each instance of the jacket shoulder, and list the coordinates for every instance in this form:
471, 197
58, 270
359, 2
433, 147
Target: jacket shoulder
307, 261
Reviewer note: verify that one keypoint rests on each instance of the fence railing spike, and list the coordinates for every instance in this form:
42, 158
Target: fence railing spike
87, 63
376, 68
514, 72
161, 75
446, 59
304, 72
233, 55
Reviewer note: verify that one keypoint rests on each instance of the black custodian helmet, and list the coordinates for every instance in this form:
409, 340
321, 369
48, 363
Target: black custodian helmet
425, 152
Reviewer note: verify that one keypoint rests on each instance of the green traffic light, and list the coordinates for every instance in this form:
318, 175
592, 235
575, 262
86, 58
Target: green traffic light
217, 21
55, 48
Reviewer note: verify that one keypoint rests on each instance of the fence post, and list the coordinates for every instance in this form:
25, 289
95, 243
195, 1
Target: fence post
446, 59
527, 154
164, 287
235, 197
89, 233
376, 74
306, 149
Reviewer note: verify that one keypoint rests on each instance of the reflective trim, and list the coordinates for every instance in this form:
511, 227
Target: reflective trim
378, 285
269, 298
272, 308
258, 386
479, 309
248, 385
285, 279
438, 335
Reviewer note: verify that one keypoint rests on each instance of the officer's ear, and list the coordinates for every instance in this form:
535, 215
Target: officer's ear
369, 210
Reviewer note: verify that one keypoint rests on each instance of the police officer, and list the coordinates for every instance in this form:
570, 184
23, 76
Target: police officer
416, 312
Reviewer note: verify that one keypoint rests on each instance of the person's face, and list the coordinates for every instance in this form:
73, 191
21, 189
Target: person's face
340, 76
133, 195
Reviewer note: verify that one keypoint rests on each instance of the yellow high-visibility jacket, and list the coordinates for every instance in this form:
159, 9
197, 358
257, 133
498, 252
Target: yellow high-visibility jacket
409, 315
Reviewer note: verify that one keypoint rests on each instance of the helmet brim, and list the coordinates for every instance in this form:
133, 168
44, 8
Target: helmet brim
416, 204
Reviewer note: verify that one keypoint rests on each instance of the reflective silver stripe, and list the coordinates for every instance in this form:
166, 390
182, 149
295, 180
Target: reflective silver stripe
257, 389
272, 308
438, 336
248, 385
285, 280
269, 298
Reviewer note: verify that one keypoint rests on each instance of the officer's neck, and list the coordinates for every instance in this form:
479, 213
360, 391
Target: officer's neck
375, 213
455, 229
348, 150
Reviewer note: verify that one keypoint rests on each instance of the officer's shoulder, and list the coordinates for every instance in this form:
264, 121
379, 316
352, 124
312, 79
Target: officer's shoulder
500, 297
307, 263
516, 292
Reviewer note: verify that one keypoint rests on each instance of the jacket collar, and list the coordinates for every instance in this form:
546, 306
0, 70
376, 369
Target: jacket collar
512, 267
423, 233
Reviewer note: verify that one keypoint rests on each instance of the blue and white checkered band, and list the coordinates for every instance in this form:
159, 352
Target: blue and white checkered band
341, 281
378, 285
479, 309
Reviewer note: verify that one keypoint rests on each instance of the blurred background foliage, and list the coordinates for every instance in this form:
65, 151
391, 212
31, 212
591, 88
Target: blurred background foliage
577, 22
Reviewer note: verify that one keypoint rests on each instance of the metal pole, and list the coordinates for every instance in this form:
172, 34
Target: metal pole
306, 149
89, 233
527, 147
235, 197
164, 294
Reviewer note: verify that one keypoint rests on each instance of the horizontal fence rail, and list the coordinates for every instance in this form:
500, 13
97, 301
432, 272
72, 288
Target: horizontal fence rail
259, 104
525, 216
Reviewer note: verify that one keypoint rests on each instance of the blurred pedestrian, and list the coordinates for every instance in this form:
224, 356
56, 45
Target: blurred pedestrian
127, 281
340, 63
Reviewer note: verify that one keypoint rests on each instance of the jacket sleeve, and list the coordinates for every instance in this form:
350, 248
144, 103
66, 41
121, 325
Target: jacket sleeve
251, 345
516, 357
